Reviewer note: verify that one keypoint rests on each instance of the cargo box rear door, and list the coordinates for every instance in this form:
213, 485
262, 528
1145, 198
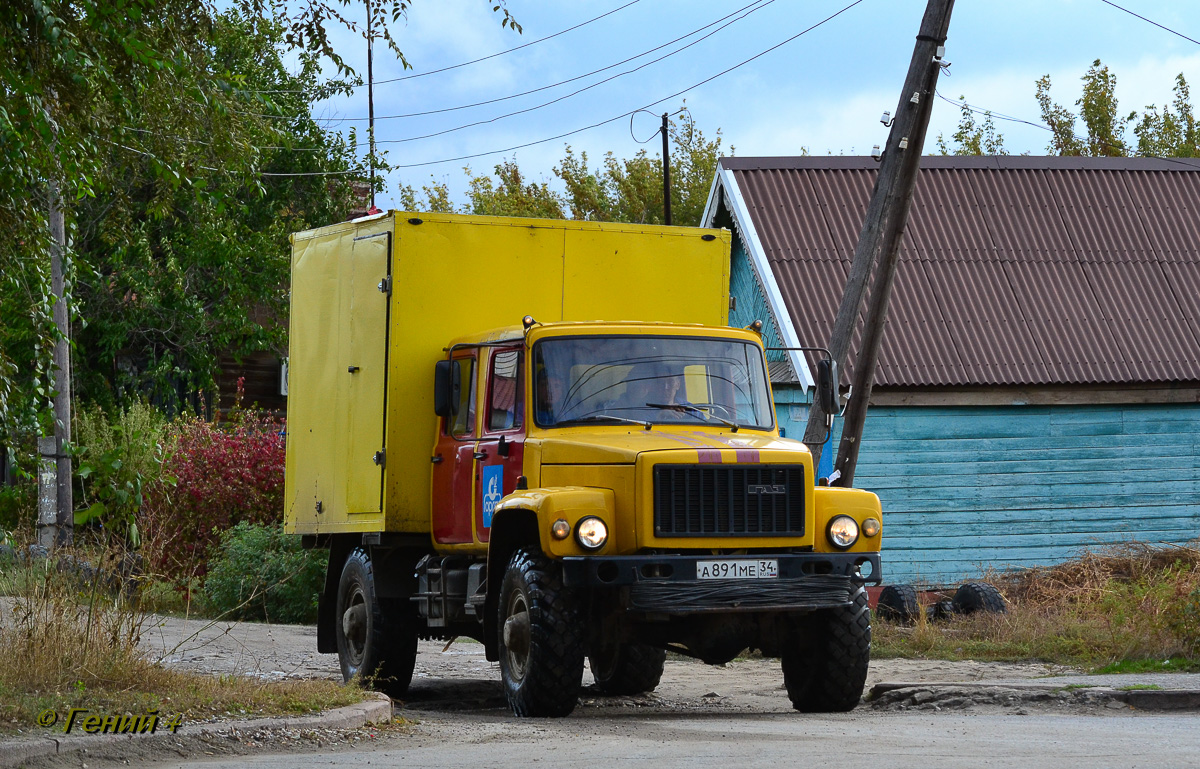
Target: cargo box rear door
364, 327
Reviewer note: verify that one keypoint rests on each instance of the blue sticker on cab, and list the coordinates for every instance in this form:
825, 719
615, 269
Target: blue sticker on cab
492, 489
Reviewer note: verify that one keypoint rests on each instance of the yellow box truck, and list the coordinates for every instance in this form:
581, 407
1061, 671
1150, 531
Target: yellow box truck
543, 435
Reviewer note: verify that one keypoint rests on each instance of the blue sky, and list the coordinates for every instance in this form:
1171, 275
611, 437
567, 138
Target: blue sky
823, 91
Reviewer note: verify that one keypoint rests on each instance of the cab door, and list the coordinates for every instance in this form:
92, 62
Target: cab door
499, 452
454, 463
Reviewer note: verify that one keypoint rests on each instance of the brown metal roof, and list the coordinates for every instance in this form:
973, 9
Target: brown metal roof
1013, 270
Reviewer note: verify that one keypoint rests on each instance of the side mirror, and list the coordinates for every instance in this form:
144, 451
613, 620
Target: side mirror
447, 388
827, 386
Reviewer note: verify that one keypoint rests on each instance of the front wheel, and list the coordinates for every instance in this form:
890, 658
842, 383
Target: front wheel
825, 663
376, 643
541, 629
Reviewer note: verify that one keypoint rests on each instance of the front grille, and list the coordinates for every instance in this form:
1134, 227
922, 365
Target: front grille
729, 500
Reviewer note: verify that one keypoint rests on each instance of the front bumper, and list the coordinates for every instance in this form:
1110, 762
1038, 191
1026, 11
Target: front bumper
667, 584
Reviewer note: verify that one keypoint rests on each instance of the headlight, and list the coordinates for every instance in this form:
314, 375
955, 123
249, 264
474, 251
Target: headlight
870, 527
591, 533
842, 532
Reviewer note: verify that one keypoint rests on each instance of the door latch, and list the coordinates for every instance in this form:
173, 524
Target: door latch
380, 457
480, 455
385, 286
352, 369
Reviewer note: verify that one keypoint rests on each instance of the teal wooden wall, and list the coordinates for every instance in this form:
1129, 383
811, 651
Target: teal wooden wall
970, 488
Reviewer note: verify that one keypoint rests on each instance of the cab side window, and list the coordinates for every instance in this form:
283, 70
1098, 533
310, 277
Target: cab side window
505, 393
463, 423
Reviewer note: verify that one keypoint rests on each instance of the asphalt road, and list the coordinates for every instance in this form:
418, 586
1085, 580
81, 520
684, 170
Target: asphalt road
700, 741
700, 716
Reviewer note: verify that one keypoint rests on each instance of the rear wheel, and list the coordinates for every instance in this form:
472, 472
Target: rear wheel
375, 642
541, 637
626, 668
825, 665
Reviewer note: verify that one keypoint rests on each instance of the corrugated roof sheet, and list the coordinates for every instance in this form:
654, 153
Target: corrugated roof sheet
1013, 270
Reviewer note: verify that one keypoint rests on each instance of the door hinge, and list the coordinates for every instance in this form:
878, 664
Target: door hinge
385, 285
380, 457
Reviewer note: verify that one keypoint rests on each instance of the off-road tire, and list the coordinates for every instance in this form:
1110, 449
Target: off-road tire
898, 604
377, 642
627, 668
979, 596
825, 666
940, 611
544, 680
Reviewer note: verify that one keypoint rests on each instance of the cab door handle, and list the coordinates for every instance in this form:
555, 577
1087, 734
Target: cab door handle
480, 455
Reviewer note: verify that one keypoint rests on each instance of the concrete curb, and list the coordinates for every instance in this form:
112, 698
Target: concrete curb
377, 709
1142, 699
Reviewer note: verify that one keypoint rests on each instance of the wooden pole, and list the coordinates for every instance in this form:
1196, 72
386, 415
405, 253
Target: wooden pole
915, 109
371, 100
888, 206
666, 170
65, 512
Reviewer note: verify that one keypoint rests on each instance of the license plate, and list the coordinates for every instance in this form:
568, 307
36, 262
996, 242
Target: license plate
740, 568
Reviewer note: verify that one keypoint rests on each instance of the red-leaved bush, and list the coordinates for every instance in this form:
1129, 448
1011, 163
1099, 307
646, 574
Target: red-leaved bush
223, 474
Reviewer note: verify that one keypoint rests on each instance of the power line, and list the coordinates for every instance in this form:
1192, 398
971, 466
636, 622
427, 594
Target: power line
644, 106
485, 58
1151, 21
747, 9
577, 77
1000, 115
227, 171
576, 92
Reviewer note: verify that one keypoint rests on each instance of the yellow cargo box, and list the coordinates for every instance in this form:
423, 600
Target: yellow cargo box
375, 301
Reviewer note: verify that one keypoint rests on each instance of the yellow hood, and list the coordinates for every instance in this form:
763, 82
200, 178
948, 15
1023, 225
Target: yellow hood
591, 446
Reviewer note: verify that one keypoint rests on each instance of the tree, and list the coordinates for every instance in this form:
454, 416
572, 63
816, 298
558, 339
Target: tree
171, 275
1098, 109
1170, 133
619, 190
972, 137
509, 194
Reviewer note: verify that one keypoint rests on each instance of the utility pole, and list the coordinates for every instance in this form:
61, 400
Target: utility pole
666, 169
879, 240
65, 512
371, 102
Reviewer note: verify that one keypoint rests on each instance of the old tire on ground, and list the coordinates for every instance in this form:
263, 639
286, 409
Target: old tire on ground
825, 665
979, 596
374, 641
899, 604
541, 637
627, 668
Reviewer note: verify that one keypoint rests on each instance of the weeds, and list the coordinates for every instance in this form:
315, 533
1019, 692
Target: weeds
1133, 602
69, 640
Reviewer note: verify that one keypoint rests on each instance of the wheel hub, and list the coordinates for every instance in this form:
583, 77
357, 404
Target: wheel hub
516, 635
354, 625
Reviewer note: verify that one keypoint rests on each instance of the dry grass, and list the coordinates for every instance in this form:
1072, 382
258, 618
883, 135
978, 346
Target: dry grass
68, 642
1130, 604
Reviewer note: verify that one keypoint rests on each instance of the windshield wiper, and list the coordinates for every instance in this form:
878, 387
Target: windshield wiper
600, 417
733, 426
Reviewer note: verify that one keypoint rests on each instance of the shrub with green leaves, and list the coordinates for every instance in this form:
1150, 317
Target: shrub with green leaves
260, 573
119, 458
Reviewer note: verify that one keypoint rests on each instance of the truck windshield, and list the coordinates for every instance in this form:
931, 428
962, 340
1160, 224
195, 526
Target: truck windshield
664, 380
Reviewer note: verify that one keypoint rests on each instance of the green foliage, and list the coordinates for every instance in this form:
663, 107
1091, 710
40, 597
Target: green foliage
628, 190
263, 574
972, 137
1170, 132
119, 459
1167, 132
509, 194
